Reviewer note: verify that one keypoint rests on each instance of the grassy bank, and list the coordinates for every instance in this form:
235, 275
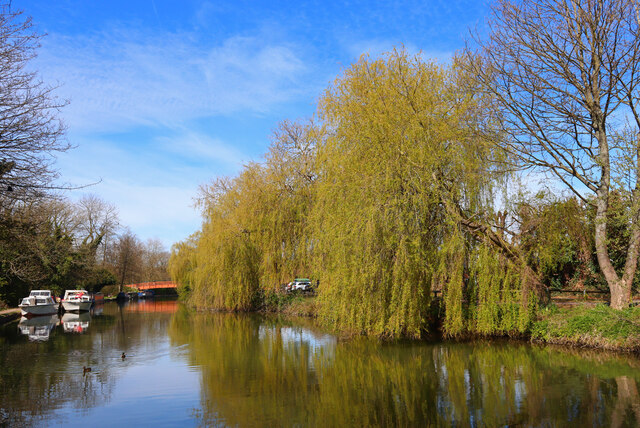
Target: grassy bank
295, 304
594, 327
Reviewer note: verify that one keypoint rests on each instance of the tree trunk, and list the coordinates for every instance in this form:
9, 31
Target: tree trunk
620, 288
620, 294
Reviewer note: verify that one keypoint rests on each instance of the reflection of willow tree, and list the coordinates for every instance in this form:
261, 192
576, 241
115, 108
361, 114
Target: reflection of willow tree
519, 385
238, 357
254, 374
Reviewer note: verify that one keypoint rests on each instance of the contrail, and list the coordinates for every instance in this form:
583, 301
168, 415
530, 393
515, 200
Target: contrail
155, 10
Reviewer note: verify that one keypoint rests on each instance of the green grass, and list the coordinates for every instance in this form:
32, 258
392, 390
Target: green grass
287, 303
598, 327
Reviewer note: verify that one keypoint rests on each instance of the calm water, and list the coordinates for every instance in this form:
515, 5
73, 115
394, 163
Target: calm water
186, 369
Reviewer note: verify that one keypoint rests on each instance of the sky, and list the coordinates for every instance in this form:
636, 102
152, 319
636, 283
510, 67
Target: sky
165, 96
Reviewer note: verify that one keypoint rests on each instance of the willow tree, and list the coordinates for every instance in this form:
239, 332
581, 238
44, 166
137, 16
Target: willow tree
565, 77
226, 258
255, 235
282, 225
182, 263
400, 150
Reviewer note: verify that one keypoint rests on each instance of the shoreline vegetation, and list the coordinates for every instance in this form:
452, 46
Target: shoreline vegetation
494, 180
349, 203
583, 325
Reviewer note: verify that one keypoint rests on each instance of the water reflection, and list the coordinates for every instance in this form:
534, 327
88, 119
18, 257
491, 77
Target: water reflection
184, 368
43, 382
76, 322
258, 372
38, 328
97, 309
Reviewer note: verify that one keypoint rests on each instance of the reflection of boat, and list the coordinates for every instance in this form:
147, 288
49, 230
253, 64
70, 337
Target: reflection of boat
75, 323
39, 302
38, 328
97, 309
76, 300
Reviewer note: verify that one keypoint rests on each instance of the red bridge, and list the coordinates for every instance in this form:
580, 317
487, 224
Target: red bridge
153, 285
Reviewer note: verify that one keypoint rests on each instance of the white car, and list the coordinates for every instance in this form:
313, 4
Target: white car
303, 284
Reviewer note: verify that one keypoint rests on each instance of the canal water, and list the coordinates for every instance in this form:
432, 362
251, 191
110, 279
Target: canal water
202, 369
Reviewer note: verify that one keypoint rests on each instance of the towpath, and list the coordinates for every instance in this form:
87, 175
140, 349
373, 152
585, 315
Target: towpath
7, 315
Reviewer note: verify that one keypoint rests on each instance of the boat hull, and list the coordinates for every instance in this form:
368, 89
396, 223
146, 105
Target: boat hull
76, 306
36, 310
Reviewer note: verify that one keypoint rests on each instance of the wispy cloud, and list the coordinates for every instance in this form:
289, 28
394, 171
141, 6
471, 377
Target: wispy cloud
125, 77
203, 148
375, 48
154, 189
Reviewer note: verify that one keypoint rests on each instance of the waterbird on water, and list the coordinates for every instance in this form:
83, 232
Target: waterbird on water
86, 369
123, 356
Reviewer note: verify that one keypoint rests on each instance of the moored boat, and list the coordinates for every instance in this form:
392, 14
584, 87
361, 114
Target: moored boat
39, 302
76, 300
145, 294
98, 298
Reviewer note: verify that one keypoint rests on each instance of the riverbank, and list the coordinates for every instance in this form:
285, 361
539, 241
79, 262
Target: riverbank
9, 315
579, 326
598, 327
293, 304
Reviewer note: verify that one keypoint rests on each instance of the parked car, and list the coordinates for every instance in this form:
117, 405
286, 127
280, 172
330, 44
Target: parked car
303, 284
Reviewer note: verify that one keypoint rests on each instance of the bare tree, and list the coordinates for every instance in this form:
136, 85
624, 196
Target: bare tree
565, 78
30, 130
127, 258
98, 222
155, 261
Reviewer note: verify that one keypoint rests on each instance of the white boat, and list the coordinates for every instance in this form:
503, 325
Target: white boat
76, 300
39, 302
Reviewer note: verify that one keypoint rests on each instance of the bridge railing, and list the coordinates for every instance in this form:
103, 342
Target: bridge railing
153, 284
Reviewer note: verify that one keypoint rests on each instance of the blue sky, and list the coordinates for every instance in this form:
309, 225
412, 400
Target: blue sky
166, 95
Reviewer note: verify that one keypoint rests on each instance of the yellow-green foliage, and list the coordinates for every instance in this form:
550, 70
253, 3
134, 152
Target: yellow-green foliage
364, 202
481, 290
449, 278
497, 303
254, 233
182, 264
398, 126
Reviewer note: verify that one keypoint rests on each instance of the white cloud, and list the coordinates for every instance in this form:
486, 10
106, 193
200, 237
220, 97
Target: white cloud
124, 77
134, 95
200, 147
152, 184
163, 212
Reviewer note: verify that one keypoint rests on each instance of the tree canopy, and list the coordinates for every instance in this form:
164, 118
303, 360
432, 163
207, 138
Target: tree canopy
364, 201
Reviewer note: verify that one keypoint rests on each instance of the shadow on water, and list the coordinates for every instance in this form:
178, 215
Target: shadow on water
250, 370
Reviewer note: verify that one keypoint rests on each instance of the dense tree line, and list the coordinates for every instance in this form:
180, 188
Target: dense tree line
53, 243
407, 183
